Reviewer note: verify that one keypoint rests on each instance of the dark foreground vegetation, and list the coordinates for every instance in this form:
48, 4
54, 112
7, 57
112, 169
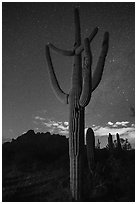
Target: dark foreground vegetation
36, 168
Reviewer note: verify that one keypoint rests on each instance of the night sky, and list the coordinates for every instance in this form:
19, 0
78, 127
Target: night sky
27, 97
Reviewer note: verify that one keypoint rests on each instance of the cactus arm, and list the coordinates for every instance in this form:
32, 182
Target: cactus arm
97, 75
92, 35
63, 97
77, 28
87, 78
80, 49
61, 51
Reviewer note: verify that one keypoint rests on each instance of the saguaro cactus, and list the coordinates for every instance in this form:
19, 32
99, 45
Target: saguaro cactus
83, 83
110, 142
118, 142
90, 142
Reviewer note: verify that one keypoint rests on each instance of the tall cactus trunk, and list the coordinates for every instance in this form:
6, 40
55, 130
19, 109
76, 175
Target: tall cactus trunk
76, 148
76, 120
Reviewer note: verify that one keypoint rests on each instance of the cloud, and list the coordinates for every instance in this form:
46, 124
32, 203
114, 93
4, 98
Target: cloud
124, 128
110, 123
54, 124
48, 124
115, 126
66, 123
126, 132
54, 127
106, 130
62, 128
122, 123
39, 118
64, 132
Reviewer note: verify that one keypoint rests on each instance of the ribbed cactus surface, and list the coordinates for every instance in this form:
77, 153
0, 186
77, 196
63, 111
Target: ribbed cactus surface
83, 83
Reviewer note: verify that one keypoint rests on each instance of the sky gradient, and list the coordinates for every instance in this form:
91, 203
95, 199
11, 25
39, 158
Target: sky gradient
27, 98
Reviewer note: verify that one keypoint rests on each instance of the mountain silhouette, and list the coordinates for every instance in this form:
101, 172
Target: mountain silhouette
34, 147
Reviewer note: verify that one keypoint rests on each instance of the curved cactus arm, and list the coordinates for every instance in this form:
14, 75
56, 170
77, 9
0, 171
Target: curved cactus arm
97, 75
80, 49
63, 97
87, 78
60, 51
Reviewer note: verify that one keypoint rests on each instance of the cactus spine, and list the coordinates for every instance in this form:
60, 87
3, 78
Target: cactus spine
82, 86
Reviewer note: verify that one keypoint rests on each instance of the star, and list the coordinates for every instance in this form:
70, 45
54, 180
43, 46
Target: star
112, 60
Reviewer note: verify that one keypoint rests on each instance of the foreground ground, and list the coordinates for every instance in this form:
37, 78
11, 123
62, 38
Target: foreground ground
36, 168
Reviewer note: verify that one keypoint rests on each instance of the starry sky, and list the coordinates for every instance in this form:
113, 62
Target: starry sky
28, 101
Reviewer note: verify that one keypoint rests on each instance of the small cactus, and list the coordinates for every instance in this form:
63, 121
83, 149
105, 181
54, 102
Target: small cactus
118, 142
90, 141
110, 142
